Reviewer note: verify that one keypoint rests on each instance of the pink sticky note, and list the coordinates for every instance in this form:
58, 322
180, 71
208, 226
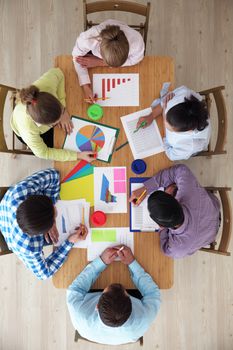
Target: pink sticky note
119, 174
119, 187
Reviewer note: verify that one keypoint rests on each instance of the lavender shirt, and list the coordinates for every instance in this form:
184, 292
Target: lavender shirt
201, 212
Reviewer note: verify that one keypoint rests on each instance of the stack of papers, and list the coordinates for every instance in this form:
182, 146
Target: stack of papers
102, 238
69, 217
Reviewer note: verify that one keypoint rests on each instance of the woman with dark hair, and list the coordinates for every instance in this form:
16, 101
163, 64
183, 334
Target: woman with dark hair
39, 108
186, 122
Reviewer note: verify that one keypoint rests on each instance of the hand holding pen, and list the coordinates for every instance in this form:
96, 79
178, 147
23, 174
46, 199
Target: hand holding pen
138, 196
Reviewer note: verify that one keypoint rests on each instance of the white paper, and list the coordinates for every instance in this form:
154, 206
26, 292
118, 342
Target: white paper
109, 138
140, 218
123, 237
123, 89
69, 216
144, 142
120, 206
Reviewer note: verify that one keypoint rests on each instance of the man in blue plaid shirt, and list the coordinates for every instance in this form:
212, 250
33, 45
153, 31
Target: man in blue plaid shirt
25, 211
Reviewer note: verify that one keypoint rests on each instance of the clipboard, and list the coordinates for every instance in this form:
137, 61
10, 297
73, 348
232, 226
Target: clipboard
117, 131
133, 180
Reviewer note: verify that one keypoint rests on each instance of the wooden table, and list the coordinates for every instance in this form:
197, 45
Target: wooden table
153, 71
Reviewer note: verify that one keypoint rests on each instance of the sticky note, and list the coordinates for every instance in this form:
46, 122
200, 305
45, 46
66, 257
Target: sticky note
119, 174
104, 235
119, 187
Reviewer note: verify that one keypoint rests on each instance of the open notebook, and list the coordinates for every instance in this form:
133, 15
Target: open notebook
140, 219
144, 142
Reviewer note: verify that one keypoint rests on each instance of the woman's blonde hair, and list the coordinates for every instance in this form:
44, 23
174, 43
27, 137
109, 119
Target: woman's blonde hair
114, 46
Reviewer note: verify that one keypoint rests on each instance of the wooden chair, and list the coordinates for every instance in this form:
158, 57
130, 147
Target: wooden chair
125, 6
4, 91
217, 95
226, 223
78, 337
3, 245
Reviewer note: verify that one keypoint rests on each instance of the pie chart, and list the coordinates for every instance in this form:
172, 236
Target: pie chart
90, 138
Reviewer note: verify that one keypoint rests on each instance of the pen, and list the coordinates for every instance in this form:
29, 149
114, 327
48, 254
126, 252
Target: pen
119, 250
140, 126
121, 146
140, 197
96, 99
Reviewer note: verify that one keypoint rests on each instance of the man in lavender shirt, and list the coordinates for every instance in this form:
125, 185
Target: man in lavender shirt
187, 214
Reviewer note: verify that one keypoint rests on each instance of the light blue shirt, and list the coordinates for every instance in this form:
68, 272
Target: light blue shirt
84, 314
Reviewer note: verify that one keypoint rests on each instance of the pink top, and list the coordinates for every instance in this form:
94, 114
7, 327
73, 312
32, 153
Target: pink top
87, 41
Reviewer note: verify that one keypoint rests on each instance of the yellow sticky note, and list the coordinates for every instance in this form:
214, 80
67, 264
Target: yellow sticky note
78, 189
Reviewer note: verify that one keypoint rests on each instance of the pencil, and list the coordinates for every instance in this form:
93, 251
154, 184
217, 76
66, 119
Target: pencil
83, 220
140, 197
119, 250
121, 146
97, 98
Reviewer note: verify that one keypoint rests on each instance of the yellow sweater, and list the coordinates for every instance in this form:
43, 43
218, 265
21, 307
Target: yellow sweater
25, 127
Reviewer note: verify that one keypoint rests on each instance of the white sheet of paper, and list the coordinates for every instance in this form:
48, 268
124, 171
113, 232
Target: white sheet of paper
123, 237
120, 89
140, 218
109, 138
120, 206
69, 216
144, 142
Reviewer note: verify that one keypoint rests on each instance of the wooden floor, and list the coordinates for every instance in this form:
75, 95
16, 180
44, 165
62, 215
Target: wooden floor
197, 313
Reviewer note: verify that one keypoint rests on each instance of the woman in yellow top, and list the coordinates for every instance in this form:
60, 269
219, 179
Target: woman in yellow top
39, 109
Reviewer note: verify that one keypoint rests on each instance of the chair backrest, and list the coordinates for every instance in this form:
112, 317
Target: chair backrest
4, 90
78, 337
226, 223
3, 245
125, 6
217, 95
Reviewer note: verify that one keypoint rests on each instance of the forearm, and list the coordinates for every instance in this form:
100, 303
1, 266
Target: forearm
82, 73
83, 282
157, 111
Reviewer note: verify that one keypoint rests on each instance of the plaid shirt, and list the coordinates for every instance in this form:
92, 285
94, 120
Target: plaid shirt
30, 249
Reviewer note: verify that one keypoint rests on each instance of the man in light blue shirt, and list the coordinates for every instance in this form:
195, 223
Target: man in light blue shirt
112, 317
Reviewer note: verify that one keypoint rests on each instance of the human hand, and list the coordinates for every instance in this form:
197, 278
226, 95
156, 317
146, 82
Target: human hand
88, 156
148, 119
52, 234
80, 234
89, 94
109, 255
135, 195
89, 61
169, 96
126, 256
65, 122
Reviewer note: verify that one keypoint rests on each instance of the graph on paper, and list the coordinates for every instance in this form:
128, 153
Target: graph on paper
90, 138
117, 89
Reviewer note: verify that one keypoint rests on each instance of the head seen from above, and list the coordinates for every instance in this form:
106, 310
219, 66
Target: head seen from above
43, 107
114, 306
165, 210
36, 215
114, 46
189, 115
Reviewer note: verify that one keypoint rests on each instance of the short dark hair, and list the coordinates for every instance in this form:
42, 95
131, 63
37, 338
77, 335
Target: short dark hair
35, 215
165, 210
189, 115
114, 306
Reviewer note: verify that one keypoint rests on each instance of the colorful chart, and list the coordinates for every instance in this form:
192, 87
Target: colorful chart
108, 84
90, 138
105, 194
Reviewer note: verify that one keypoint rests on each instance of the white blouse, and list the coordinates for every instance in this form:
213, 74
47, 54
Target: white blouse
184, 144
87, 41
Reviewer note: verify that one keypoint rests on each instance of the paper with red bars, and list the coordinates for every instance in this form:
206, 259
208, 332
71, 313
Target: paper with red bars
77, 167
117, 89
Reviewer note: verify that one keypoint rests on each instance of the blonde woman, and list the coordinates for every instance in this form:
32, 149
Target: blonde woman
111, 43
